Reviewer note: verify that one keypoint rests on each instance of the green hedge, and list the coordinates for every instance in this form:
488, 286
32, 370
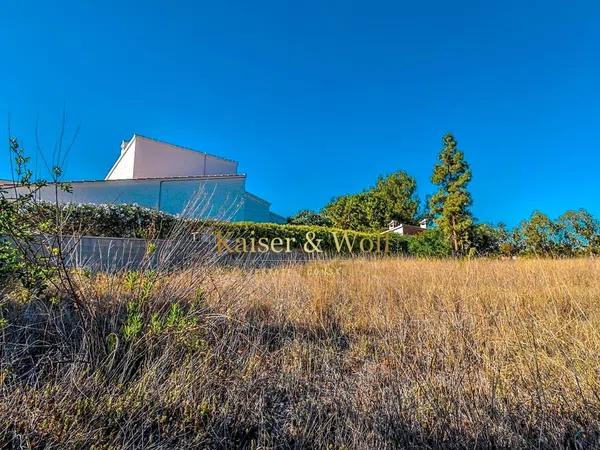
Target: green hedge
396, 244
130, 221
138, 222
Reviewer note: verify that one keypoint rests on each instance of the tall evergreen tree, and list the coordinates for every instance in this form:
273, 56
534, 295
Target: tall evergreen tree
450, 204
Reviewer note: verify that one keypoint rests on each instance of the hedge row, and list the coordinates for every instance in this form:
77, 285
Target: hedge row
107, 220
307, 236
138, 222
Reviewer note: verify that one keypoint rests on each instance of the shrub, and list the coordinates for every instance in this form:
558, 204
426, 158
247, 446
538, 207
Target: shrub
113, 220
19, 260
429, 244
307, 217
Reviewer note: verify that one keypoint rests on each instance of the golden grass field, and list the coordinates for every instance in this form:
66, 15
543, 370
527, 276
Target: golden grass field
341, 354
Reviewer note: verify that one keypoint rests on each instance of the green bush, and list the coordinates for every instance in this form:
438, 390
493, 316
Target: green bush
396, 244
20, 260
429, 244
307, 217
131, 221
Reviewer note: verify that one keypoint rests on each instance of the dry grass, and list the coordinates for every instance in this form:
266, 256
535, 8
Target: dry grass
353, 354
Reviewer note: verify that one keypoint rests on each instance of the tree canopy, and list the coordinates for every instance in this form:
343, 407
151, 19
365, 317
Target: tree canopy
308, 217
392, 198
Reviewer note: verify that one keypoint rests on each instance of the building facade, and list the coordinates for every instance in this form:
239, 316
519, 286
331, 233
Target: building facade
171, 179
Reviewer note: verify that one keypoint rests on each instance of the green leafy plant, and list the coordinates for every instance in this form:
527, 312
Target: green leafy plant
307, 217
429, 244
19, 260
133, 322
539, 235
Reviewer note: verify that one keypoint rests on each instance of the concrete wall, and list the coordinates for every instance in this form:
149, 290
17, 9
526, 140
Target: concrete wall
115, 254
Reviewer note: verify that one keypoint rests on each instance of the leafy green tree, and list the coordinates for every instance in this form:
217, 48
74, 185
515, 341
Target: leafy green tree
376, 210
579, 233
429, 244
307, 217
398, 194
350, 212
393, 197
488, 240
538, 235
450, 204
360, 212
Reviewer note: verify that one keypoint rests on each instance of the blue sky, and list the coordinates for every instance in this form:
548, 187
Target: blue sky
316, 99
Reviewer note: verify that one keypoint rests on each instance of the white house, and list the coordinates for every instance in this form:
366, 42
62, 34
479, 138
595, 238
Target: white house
172, 179
406, 229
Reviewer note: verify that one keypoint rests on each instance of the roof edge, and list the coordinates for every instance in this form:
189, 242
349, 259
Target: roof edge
256, 197
190, 177
182, 147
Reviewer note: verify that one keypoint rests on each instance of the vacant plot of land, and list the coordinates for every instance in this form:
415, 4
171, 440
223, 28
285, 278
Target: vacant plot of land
352, 354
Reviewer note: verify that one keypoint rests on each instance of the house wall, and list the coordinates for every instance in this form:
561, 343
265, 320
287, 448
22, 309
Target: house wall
123, 168
141, 192
155, 159
216, 199
153, 174
147, 158
256, 210
276, 218
406, 230
218, 166
219, 198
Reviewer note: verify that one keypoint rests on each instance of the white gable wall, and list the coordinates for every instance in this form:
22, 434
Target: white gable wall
123, 168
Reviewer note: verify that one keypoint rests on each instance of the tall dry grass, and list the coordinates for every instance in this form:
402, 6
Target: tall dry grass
341, 354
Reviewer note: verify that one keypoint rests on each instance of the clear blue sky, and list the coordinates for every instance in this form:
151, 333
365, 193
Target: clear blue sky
315, 98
